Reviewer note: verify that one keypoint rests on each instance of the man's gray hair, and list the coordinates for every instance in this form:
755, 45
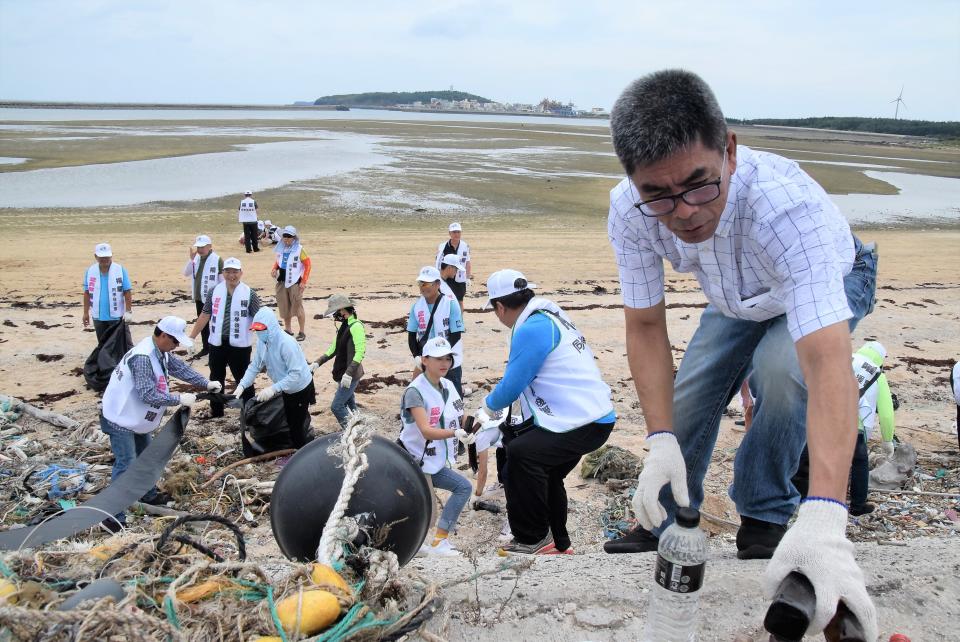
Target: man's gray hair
662, 113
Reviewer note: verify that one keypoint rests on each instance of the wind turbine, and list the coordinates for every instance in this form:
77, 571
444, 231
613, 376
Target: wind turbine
899, 101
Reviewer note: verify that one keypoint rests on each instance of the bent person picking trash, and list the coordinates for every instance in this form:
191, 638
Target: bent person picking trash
347, 351
137, 395
431, 411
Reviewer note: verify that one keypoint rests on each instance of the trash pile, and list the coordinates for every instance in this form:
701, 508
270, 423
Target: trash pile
173, 574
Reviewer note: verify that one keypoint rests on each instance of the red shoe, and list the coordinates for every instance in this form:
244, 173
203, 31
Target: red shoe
551, 549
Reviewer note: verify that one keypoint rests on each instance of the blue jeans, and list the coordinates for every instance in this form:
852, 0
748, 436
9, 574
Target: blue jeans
449, 479
126, 446
344, 400
721, 353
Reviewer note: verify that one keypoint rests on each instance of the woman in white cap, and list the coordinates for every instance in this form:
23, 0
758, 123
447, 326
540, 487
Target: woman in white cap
228, 310
291, 269
204, 269
435, 315
459, 248
565, 405
347, 351
430, 414
138, 393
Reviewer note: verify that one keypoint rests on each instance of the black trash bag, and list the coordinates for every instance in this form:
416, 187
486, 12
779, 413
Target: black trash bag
263, 427
105, 357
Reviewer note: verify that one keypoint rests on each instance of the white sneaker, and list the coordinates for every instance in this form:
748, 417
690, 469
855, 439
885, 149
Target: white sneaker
505, 533
467, 391
442, 549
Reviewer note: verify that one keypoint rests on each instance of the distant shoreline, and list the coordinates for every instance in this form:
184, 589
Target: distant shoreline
17, 104
476, 112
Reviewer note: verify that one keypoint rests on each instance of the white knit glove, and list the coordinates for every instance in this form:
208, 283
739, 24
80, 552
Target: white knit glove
484, 415
816, 546
187, 398
266, 394
238, 392
663, 465
466, 438
214, 386
418, 363
313, 366
128, 316
346, 381
888, 448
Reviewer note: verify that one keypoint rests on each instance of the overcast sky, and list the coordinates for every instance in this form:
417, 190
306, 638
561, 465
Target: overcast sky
763, 58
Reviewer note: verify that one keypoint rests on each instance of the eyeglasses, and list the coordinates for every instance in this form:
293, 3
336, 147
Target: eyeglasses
700, 195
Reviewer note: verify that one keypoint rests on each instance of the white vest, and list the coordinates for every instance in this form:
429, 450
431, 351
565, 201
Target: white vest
114, 289
568, 391
121, 405
447, 292
441, 323
239, 315
864, 370
294, 269
209, 278
248, 211
433, 455
463, 253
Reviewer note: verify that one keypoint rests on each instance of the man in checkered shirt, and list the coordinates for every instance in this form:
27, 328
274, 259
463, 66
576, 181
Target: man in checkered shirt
786, 282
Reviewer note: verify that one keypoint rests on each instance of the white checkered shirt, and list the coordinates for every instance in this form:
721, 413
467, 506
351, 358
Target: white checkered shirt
781, 247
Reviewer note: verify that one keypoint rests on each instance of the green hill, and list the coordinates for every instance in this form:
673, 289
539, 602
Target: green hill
388, 98
942, 130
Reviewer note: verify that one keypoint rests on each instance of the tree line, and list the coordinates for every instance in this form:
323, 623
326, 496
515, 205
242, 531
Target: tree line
388, 98
942, 130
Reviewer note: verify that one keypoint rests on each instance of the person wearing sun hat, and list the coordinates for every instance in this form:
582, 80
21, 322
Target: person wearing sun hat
347, 351
139, 392
280, 355
460, 249
565, 407
205, 271
228, 310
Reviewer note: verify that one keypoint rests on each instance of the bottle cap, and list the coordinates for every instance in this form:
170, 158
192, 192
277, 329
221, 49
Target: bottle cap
688, 517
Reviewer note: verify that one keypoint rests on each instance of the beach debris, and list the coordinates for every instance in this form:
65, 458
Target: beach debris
893, 472
611, 462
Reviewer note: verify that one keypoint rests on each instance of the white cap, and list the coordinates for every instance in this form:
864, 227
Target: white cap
437, 347
202, 240
451, 259
455, 227
102, 250
428, 274
233, 263
248, 193
877, 347
176, 328
289, 231
504, 282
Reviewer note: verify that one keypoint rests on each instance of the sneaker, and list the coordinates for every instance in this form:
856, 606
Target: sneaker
863, 509
757, 540
492, 488
443, 548
505, 533
290, 332
551, 549
639, 540
301, 337
160, 499
517, 548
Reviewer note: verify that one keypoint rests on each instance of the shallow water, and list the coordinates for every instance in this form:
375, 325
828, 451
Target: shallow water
920, 197
255, 167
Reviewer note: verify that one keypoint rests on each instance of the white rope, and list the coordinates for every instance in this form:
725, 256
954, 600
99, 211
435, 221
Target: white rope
382, 565
338, 528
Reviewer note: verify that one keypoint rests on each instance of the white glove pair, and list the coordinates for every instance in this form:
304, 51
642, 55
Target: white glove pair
346, 381
816, 546
466, 438
214, 386
267, 394
888, 448
484, 415
187, 398
128, 316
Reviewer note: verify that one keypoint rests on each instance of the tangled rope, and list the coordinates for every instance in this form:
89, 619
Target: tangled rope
340, 530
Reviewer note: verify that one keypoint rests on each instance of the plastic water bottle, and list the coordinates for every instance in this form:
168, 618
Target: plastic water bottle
675, 600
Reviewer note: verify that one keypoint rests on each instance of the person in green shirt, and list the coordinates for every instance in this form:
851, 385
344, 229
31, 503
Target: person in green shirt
347, 351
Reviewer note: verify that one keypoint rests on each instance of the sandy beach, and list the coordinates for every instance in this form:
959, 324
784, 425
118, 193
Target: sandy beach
374, 256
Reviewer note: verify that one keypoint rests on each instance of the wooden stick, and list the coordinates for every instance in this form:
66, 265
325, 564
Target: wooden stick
249, 460
720, 520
